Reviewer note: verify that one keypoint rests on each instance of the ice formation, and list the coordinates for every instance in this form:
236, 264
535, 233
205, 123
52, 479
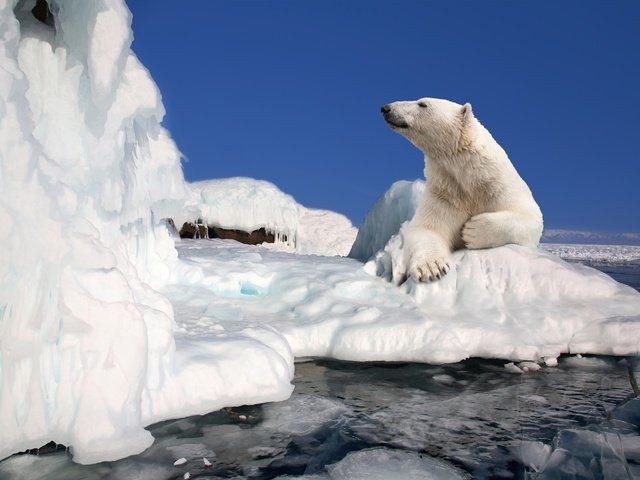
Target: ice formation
248, 204
87, 174
397, 205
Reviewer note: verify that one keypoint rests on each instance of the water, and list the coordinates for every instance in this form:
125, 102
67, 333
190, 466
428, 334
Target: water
576, 420
628, 274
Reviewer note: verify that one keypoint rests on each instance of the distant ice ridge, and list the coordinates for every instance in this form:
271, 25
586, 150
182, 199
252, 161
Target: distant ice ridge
622, 254
87, 173
592, 238
248, 204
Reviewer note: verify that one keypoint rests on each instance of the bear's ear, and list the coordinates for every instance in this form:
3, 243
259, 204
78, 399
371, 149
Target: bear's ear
466, 112
466, 133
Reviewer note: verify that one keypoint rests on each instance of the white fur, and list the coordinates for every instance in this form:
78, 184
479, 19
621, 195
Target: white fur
474, 196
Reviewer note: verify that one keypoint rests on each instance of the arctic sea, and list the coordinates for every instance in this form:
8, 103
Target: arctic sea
351, 420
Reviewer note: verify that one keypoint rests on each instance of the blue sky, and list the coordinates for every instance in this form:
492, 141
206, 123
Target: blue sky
290, 92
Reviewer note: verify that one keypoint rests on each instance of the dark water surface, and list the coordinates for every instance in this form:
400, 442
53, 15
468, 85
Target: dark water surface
628, 274
577, 420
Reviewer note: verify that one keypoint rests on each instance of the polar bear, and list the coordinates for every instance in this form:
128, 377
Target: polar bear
474, 197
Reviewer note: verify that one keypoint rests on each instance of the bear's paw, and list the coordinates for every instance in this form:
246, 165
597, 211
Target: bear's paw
486, 230
423, 269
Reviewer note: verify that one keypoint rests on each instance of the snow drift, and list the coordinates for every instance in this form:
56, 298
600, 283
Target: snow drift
87, 174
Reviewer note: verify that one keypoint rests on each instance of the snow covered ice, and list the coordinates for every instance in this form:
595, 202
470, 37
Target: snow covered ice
512, 303
106, 327
248, 204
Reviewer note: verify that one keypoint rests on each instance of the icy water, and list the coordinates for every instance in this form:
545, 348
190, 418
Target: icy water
474, 419
623, 273
619, 261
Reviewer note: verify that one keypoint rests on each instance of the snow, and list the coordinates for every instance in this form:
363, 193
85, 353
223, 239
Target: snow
248, 204
107, 327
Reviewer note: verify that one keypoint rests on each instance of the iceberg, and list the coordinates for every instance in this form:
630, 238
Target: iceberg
87, 175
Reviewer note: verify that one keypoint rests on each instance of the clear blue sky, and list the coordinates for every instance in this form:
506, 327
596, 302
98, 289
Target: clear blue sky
290, 91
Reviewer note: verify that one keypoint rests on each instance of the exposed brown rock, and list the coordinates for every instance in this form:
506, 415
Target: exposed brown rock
200, 230
253, 238
192, 230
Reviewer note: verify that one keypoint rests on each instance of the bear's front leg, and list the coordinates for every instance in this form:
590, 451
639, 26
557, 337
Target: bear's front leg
426, 254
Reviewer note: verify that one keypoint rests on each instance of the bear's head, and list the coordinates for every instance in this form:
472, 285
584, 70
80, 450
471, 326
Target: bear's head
437, 127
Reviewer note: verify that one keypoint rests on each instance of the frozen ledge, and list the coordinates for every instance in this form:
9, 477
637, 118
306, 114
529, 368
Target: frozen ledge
510, 302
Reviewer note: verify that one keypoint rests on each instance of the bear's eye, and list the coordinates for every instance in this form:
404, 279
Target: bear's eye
422, 104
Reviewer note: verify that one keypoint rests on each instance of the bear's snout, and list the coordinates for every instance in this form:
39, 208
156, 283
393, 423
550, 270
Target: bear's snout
392, 117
